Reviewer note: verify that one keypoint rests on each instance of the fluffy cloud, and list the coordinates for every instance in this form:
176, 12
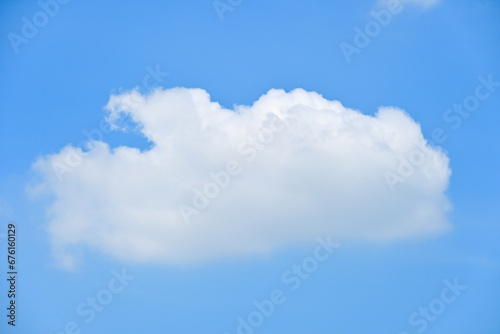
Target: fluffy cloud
221, 183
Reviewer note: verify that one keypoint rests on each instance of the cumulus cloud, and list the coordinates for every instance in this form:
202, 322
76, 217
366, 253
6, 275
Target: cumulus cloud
222, 183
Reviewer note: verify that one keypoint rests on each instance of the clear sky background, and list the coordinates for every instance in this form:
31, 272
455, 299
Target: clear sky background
427, 59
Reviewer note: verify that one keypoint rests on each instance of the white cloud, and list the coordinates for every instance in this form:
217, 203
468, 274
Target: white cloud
322, 171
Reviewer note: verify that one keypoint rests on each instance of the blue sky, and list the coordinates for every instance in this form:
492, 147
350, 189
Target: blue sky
58, 83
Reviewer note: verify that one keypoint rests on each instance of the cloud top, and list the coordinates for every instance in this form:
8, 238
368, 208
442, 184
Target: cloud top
222, 183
